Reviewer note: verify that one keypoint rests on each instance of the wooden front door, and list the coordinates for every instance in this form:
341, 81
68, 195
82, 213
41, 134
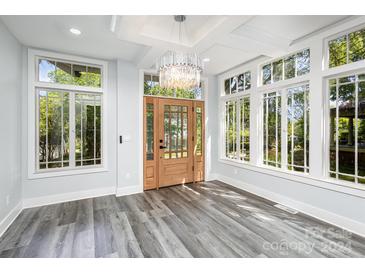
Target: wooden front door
175, 142
174, 146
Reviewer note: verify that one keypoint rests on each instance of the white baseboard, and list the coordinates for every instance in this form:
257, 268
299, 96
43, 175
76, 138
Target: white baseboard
9, 219
67, 197
318, 213
211, 177
128, 190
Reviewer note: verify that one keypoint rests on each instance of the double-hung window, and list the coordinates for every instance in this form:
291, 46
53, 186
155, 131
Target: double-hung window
286, 128
347, 127
68, 97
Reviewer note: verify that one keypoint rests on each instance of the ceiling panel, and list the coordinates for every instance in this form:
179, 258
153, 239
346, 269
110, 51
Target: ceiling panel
223, 58
52, 32
288, 27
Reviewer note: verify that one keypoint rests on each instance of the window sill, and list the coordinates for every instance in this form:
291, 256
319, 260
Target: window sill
326, 183
69, 172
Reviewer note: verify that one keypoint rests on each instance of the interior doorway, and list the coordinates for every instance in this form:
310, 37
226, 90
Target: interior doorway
174, 135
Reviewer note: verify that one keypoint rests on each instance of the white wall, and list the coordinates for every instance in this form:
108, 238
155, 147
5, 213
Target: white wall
57, 189
130, 126
339, 203
10, 113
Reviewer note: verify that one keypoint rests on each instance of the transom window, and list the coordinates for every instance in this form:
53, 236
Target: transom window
237, 129
347, 128
62, 72
286, 128
238, 83
286, 68
152, 87
347, 48
68, 121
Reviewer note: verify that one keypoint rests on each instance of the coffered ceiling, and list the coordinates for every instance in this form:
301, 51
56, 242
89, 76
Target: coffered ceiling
226, 40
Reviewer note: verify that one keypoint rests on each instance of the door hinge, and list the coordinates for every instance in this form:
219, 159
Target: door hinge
193, 138
193, 109
192, 168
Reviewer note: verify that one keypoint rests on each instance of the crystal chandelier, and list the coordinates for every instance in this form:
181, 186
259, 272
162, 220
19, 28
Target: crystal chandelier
178, 69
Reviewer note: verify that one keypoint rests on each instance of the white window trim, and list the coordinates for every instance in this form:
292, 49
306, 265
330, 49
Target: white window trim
33, 83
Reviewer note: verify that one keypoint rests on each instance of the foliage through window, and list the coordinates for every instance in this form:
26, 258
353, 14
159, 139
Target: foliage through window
152, 87
347, 128
60, 72
347, 48
286, 68
237, 129
237, 83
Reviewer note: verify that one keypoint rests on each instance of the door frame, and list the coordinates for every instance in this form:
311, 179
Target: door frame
207, 152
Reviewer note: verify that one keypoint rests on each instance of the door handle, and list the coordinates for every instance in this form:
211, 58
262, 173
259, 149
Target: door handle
162, 147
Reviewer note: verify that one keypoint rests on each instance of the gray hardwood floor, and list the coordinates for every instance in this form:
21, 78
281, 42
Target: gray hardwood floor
208, 219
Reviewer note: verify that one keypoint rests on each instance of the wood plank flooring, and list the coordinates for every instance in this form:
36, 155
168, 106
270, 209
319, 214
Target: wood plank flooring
208, 219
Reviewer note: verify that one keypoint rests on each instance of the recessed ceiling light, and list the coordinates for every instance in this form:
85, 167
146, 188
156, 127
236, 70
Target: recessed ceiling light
206, 59
75, 31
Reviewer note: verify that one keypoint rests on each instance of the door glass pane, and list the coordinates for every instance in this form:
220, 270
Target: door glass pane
198, 149
175, 132
149, 131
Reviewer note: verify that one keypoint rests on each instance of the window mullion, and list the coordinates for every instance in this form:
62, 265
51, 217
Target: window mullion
72, 131
62, 128
284, 129
276, 128
337, 113
238, 128
47, 152
356, 129
305, 97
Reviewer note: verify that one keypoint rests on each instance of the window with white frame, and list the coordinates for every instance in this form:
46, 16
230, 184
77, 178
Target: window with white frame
237, 129
237, 83
69, 101
292, 66
347, 127
286, 128
346, 48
